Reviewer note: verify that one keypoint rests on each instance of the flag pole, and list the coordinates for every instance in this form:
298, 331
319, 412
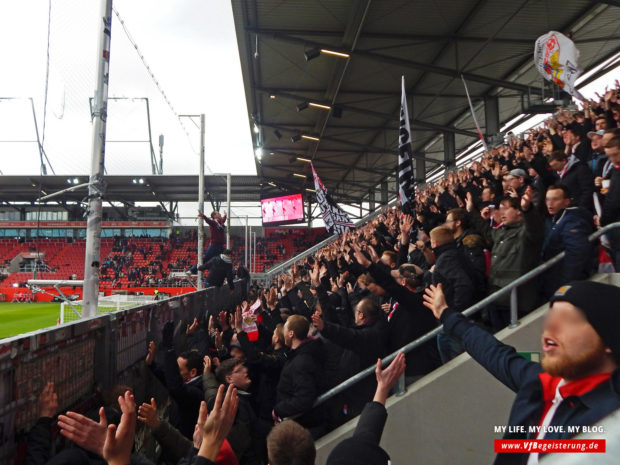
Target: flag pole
473, 115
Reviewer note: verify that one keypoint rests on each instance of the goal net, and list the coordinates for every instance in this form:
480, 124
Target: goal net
72, 311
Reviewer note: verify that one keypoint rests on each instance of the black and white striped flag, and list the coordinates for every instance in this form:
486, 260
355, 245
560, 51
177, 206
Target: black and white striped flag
336, 219
405, 170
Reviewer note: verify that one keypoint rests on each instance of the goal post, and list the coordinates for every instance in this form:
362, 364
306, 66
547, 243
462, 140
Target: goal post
73, 311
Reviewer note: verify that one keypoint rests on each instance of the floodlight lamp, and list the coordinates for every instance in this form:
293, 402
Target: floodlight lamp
312, 54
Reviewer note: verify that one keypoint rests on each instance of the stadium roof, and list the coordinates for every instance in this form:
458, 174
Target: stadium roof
134, 188
431, 43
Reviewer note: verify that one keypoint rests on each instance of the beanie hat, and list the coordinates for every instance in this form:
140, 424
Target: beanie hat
598, 302
355, 451
518, 173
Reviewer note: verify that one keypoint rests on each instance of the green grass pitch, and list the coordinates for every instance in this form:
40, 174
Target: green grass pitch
21, 318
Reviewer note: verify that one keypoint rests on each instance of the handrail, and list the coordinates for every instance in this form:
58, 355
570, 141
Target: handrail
279, 268
470, 311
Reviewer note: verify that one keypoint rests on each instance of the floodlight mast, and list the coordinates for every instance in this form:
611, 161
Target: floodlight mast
95, 188
201, 202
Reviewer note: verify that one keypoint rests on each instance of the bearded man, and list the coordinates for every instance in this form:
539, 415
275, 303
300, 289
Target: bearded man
577, 382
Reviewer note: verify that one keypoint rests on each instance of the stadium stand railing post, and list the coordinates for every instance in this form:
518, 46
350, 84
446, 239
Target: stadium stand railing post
514, 305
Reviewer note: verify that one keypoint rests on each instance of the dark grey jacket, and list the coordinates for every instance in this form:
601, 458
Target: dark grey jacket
515, 249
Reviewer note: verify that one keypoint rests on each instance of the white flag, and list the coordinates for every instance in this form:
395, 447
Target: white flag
555, 57
405, 170
335, 218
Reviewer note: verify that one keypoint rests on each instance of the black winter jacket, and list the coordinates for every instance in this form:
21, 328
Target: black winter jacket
362, 346
409, 321
567, 232
300, 384
269, 364
611, 208
220, 269
186, 397
450, 271
580, 182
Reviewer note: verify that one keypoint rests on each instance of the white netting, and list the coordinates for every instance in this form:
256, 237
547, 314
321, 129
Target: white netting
107, 304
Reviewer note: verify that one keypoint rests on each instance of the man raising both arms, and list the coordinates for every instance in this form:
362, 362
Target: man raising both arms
217, 231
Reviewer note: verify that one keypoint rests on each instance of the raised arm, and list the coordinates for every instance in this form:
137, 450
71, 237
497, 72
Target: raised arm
499, 359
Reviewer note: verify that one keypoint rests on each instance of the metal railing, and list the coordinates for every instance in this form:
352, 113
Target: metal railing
514, 321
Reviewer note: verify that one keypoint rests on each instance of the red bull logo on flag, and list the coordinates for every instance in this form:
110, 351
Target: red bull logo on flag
556, 57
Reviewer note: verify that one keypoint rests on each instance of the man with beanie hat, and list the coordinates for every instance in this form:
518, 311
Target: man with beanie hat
577, 382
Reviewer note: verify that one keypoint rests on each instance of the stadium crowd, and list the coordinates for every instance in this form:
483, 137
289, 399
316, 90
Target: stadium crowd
363, 296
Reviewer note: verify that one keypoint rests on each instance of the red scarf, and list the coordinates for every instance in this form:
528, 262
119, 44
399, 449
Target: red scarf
227, 455
576, 388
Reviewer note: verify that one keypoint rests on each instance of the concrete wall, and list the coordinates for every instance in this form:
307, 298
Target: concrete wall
449, 415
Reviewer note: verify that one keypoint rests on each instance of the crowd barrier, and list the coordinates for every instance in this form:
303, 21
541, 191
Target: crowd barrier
10, 293
86, 357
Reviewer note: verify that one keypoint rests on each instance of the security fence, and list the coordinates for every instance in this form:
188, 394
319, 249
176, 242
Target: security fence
85, 357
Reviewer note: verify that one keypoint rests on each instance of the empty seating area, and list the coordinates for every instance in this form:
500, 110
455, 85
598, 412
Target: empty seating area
281, 244
143, 261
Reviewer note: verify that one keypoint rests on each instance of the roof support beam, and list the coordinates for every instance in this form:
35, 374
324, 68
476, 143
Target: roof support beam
6, 202
434, 69
321, 161
153, 189
323, 178
337, 196
285, 90
423, 37
582, 17
425, 125
118, 210
293, 126
368, 148
353, 29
